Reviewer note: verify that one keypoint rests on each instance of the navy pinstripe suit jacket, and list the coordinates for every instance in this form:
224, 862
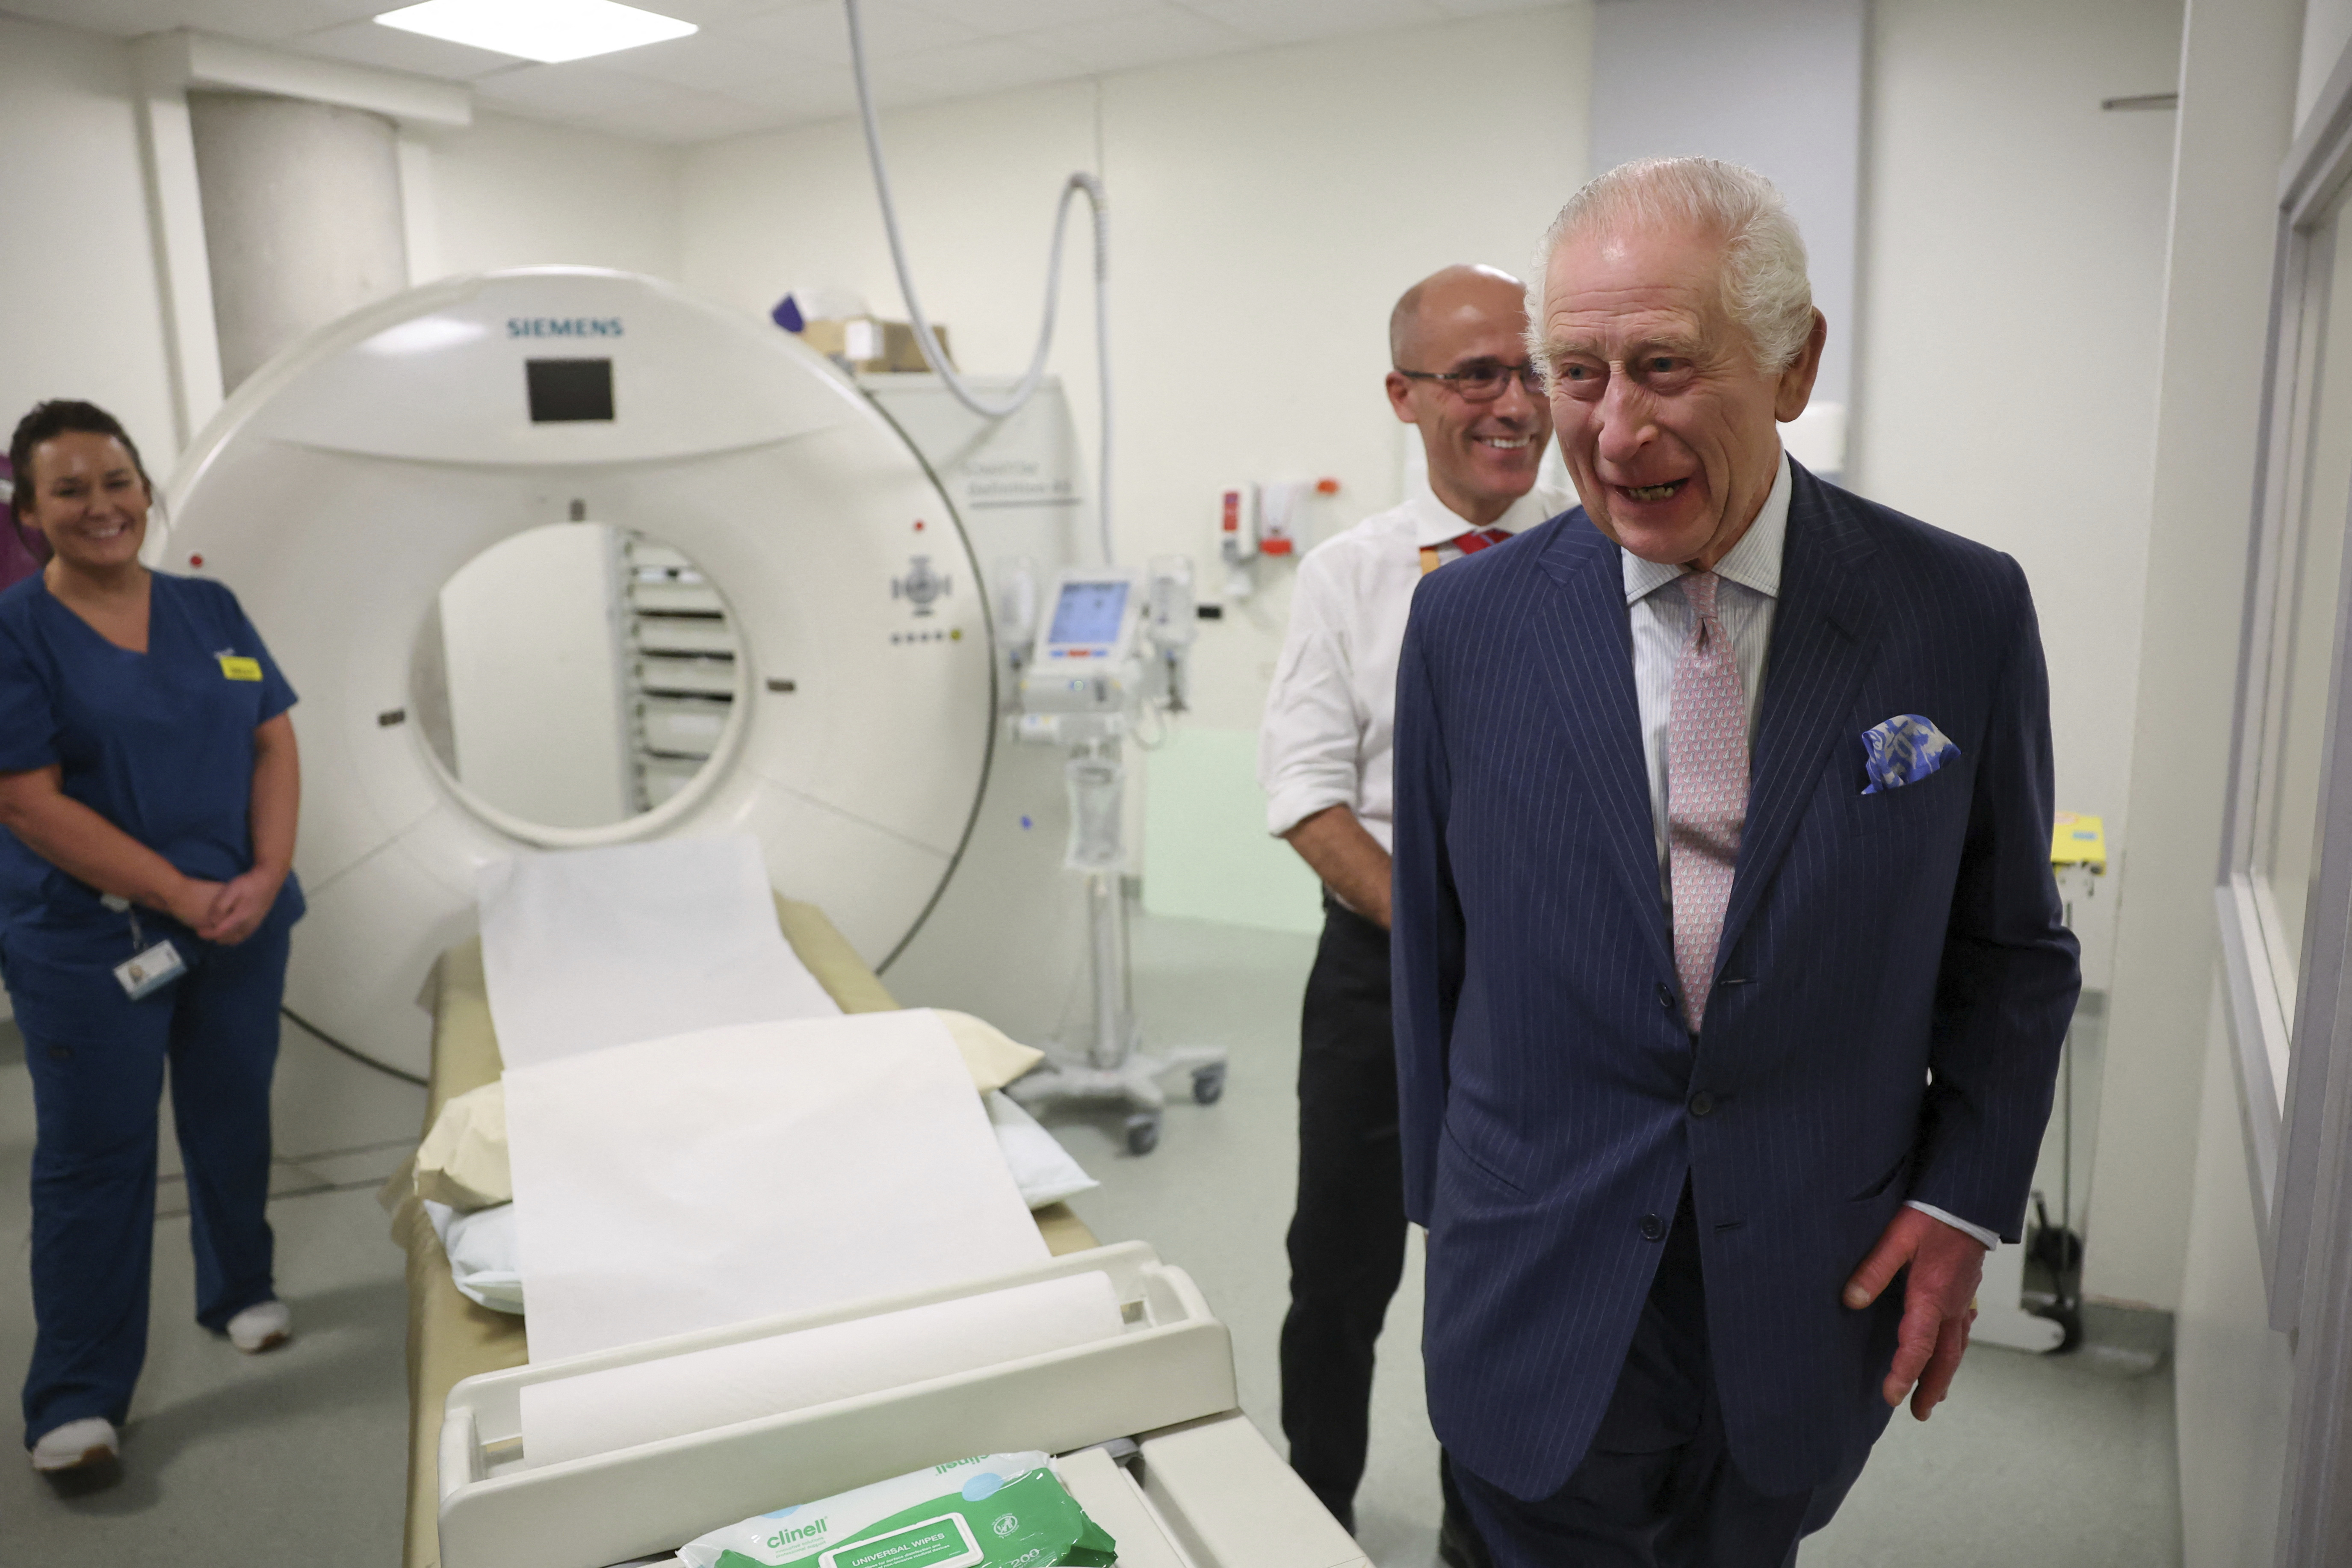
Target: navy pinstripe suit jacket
1892, 987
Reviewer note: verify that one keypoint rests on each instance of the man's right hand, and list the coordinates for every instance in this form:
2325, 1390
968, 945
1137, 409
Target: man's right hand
1938, 1302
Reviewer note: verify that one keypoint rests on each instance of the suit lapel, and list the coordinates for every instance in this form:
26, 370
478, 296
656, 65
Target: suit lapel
1589, 646
1821, 642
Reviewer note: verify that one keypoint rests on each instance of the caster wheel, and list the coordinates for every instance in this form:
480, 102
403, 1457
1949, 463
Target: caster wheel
1209, 1085
1142, 1133
2069, 1320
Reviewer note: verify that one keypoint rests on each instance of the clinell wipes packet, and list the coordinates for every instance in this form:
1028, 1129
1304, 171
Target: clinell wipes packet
998, 1511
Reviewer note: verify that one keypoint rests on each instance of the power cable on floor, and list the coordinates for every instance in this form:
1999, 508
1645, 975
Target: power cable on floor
356, 1054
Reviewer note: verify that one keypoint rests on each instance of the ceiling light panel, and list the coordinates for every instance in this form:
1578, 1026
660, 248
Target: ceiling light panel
550, 31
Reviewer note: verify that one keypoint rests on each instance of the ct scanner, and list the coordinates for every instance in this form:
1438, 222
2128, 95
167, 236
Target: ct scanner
346, 483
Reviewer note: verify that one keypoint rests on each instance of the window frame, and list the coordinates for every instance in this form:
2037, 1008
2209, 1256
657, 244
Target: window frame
2289, 1003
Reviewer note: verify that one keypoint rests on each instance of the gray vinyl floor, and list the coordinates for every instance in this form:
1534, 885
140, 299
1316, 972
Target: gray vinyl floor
295, 1458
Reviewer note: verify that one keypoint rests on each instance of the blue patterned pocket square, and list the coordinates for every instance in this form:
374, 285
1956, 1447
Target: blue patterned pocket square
1904, 749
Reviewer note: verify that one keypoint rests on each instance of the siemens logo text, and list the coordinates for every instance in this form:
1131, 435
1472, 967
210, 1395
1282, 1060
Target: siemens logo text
563, 326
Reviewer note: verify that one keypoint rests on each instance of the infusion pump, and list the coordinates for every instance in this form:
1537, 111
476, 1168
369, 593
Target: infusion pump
1106, 643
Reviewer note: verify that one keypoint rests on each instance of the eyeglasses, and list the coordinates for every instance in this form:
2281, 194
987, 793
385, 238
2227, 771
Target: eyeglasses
1482, 380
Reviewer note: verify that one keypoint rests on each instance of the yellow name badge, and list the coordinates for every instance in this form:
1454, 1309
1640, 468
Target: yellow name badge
236, 668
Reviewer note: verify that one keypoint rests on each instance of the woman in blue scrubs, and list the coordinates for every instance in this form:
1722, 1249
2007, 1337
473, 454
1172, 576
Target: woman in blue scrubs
148, 790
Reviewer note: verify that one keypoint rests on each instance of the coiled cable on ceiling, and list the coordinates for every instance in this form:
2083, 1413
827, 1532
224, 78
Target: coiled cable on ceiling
1078, 183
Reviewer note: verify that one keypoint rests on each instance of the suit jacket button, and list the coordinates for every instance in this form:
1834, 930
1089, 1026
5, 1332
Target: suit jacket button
1652, 1228
1666, 996
1702, 1103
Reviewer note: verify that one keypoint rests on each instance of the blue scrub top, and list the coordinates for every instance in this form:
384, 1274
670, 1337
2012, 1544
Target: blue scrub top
159, 744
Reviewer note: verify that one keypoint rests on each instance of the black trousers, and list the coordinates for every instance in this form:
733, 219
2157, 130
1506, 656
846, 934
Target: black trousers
1657, 1488
1348, 1233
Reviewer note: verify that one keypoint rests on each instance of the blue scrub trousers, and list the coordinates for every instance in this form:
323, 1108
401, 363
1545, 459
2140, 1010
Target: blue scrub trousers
98, 1060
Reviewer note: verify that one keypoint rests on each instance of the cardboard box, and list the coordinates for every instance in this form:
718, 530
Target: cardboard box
869, 345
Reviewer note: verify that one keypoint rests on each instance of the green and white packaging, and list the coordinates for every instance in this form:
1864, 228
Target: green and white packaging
998, 1511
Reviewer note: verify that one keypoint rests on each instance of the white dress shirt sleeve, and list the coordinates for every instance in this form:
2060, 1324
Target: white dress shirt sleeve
1976, 1233
1309, 745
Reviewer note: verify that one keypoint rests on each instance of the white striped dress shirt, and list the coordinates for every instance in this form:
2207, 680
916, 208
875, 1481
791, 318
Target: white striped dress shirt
1331, 712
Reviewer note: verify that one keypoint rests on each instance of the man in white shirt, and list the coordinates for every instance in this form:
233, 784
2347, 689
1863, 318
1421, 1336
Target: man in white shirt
1456, 340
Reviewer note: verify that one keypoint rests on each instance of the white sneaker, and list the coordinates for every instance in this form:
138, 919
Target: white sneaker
263, 1326
80, 1445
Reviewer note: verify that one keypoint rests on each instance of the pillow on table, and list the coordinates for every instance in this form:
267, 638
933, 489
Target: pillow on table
463, 1160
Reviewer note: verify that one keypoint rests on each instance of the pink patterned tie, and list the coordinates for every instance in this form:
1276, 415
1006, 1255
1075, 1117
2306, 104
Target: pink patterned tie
1706, 791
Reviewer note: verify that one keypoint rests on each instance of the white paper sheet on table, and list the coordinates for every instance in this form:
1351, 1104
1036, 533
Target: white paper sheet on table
698, 1181
588, 948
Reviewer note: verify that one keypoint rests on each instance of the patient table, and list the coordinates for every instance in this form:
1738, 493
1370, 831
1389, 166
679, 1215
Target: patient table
451, 1338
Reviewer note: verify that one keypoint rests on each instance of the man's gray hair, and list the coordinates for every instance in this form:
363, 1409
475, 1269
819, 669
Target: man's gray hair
1765, 286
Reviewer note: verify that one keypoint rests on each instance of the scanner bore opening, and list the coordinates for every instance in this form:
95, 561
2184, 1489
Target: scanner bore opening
579, 683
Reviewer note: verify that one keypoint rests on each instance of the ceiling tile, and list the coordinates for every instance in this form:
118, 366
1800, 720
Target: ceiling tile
391, 48
687, 117
97, 16
812, 30
1003, 18
817, 31
809, 95
1492, 8
263, 21
1148, 37
1288, 21
578, 91
708, 13
709, 60
272, 21
905, 27
960, 71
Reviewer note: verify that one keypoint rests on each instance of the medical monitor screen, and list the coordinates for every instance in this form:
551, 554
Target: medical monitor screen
1088, 612
563, 390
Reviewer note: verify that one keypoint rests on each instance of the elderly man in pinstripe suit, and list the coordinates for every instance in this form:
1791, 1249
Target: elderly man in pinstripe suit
1730, 975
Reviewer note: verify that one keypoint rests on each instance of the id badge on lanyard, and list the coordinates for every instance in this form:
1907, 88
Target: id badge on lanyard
149, 971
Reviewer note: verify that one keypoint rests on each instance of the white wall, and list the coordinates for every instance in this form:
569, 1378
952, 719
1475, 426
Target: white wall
1266, 210
516, 193
532, 658
976, 182
2013, 265
2326, 29
78, 269
1777, 87
1281, 201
